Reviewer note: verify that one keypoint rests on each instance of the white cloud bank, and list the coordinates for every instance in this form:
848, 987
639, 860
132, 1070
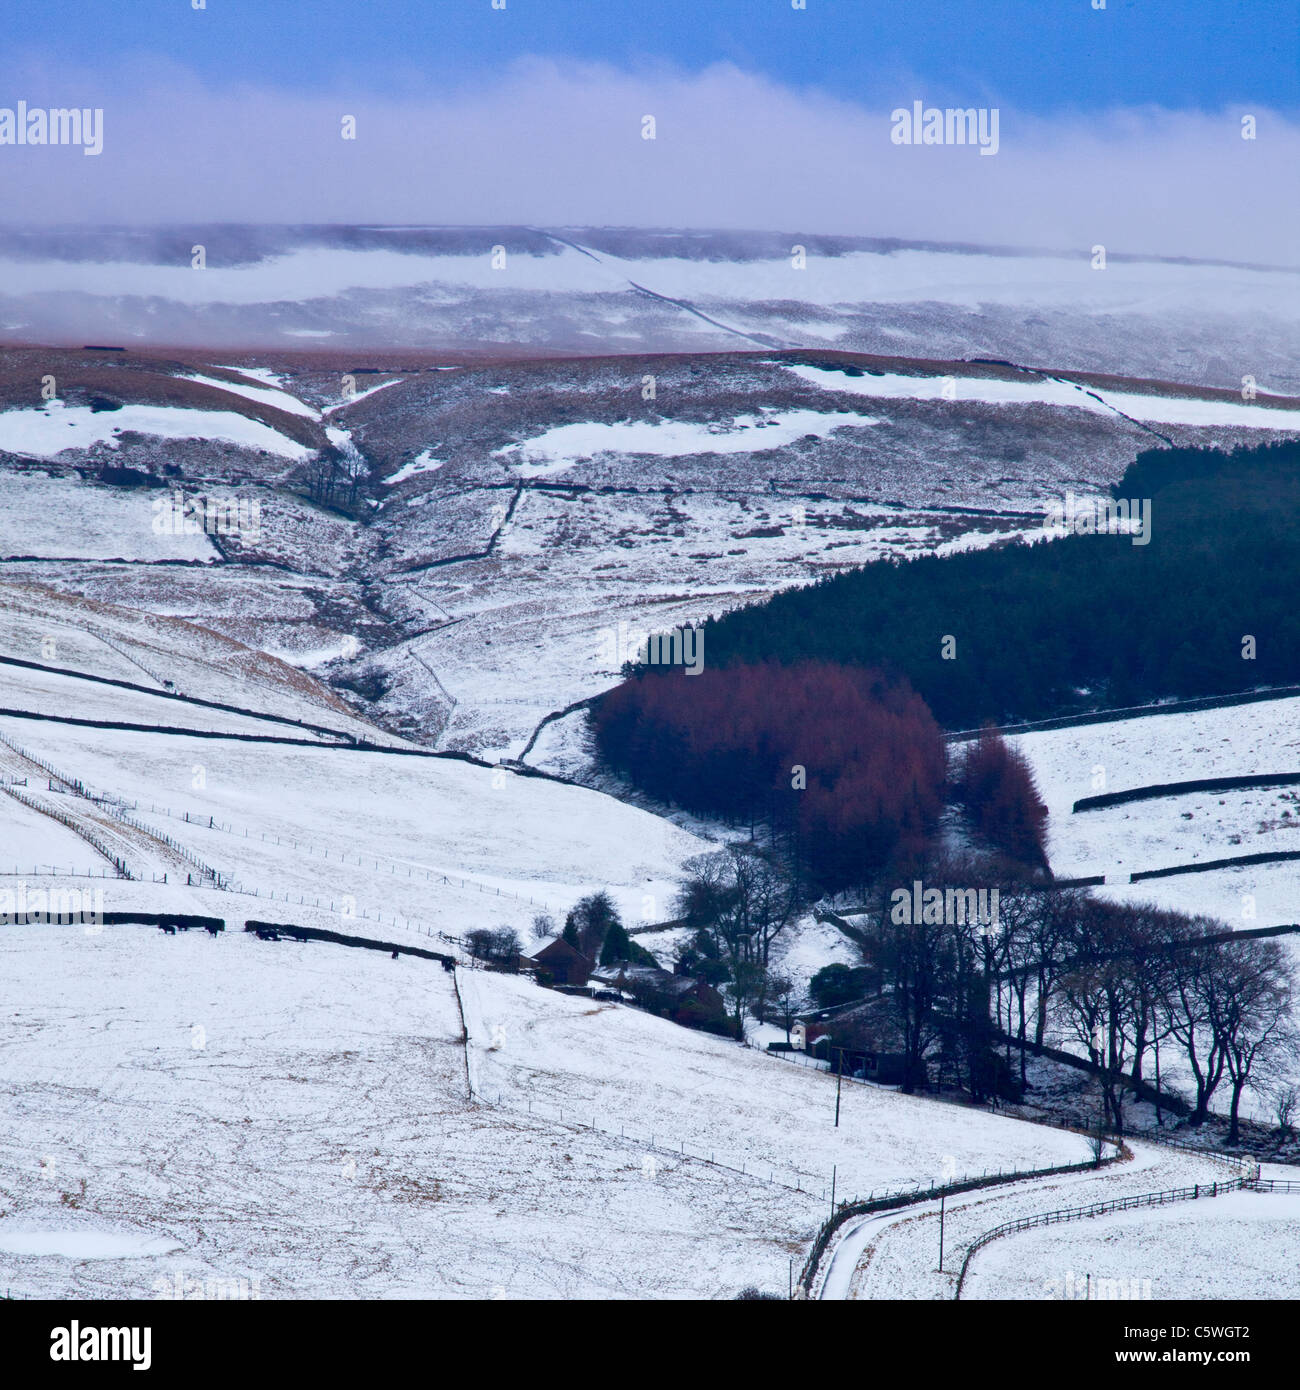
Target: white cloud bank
554, 144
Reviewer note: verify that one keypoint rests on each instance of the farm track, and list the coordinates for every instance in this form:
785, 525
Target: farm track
895, 1255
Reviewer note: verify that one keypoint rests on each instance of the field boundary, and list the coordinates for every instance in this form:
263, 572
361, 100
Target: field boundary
1156, 790
847, 1210
1115, 716
1246, 1182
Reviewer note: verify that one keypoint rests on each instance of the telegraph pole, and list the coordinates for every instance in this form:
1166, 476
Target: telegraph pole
942, 1199
839, 1081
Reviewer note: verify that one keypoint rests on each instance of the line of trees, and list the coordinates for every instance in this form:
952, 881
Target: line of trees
1124, 984
737, 902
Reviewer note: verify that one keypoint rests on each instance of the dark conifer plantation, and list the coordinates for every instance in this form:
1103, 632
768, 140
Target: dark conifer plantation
1078, 623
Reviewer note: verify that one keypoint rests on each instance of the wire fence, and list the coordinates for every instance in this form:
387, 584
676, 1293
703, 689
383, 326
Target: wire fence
792, 1179
210, 877
122, 652
335, 855
1118, 1204
56, 871
96, 843
112, 806
844, 1211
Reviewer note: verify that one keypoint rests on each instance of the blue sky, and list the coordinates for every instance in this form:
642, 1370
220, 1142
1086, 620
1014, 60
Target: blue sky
1039, 55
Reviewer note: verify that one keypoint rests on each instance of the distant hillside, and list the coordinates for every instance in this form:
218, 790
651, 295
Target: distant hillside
582, 290
1085, 621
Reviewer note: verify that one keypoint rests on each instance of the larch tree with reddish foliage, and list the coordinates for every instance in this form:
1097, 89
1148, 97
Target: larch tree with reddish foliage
996, 785
848, 762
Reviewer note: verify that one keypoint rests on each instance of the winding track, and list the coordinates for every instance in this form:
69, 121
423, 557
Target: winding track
895, 1254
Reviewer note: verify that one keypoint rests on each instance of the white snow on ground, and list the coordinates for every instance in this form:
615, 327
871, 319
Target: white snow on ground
1181, 410
808, 945
361, 395
1270, 891
1166, 410
625, 1068
44, 692
83, 1245
311, 657
1242, 740
561, 447
279, 399
1241, 1246
67, 518
1236, 741
1172, 830
262, 374
522, 844
896, 1254
421, 463
32, 844
298, 1115
37, 624
48, 432
1027, 390
581, 570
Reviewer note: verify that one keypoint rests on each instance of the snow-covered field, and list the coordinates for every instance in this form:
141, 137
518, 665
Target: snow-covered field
1238, 741
114, 642
516, 514
461, 550
33, 844
48, 432
647, 1076
1240, 1246
895, 1254
60, 518
298, 1116
272, 394
376, 833
46, 692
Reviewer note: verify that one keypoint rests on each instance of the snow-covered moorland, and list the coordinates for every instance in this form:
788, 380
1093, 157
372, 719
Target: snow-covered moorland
299, 1115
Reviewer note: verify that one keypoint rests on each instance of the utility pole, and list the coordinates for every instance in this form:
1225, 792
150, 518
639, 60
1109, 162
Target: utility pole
834, 1170
1157, 1083
942, 1199
839, 1081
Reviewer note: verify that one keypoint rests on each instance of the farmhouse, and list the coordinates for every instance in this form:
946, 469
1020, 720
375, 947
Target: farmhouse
682, 998
564, 964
